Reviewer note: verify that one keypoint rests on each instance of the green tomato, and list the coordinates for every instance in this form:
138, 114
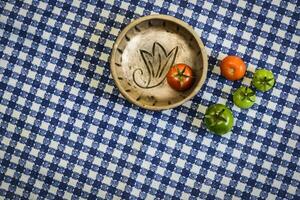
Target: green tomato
263, 80
218, 119
244, 97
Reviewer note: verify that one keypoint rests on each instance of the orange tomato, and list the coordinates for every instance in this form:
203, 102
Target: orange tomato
233, 68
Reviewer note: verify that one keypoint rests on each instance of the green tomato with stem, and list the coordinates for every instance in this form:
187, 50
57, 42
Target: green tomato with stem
218, 119
244, 97
263, 80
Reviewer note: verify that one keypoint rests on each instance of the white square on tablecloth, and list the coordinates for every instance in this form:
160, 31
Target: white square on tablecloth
291, 97
246, 35
39, 139
83, 155
197, 122
75, 46
256, 54
102, 148
156, 137
282, 170
216, 161
162, 124
136, 145
225, 181
38, 184
190, 182
173, 7
155, 184
112, 167
236, 153
10, 172
135, 192
251, 159
166, 157
171, 143
151, 151
146, 165
186, 149
92, 174
20, 146
71, 16
180, 163
170, 190
212, 38
90, 8
65, 27
188, 13
159, 170
80, 33
107, 180
256, 9
45, 125
51, 22
276, 184
117, 153
42, 5
286, 156
59, 131
217, 24
220, 194
142, 132
175, 176
242, 49
141, 178
60, 85
266, 28
207, 5
227, 43
256, 145
282, 123
281, 33
53, 144
69, 104
271, 14
205, 188
195, 169
24, 178
211, 174
97, 161
291, 52
256, 191
292, 189
237, 16
267, 118
29, 165
251, 22
9, 6
266, 164
108, 134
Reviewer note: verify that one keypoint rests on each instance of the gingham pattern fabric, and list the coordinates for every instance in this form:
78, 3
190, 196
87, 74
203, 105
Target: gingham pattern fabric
66, 132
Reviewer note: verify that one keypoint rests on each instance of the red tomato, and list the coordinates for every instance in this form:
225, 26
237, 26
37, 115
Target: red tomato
233, 68
180, 77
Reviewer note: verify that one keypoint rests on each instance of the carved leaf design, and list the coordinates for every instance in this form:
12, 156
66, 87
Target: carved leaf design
159, 55
156, 65
148, 59
168, 62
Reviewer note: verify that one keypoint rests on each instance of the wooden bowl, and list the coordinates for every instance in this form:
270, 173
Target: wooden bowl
144, 52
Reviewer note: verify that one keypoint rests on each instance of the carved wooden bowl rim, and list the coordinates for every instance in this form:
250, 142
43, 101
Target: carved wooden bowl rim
165, 18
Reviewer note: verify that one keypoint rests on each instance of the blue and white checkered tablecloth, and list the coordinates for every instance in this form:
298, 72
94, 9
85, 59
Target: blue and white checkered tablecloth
66, 132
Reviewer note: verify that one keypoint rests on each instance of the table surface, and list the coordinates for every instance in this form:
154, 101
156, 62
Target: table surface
66, 132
